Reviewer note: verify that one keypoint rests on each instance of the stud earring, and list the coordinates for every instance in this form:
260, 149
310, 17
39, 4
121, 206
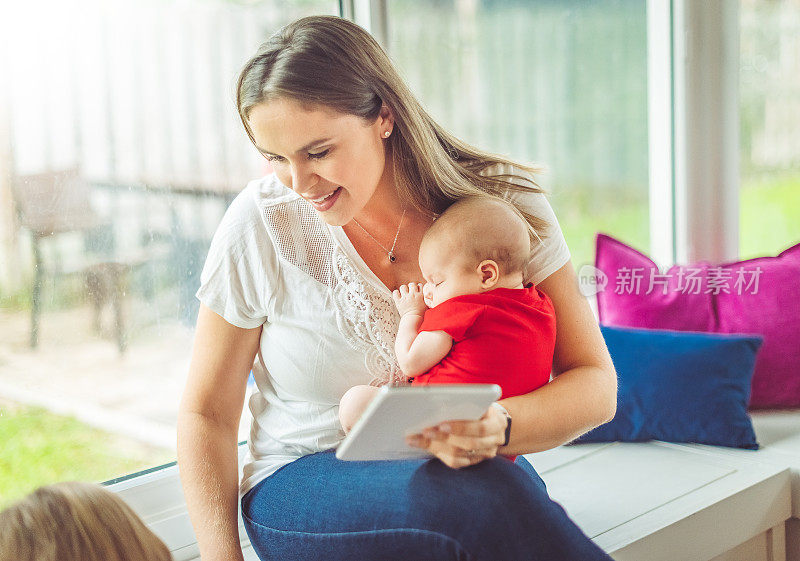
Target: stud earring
387, 133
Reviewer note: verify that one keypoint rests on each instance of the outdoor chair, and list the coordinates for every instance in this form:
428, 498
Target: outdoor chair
58, 202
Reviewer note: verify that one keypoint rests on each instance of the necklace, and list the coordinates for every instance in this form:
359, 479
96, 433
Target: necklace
389, 252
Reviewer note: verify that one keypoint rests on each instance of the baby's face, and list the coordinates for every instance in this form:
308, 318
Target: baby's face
445, 274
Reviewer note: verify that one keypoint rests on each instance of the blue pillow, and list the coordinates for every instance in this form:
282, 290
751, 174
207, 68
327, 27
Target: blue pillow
680, 386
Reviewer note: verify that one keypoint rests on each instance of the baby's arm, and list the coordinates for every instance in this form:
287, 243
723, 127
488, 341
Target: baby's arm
416, 352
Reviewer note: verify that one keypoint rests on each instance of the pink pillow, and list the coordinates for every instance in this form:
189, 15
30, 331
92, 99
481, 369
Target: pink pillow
758, 296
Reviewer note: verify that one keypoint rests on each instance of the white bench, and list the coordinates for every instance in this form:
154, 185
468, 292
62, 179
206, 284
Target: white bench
659, 501
652, 501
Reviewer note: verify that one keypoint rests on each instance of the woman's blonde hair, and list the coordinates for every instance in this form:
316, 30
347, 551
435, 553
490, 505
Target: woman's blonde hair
76, 521
330, 61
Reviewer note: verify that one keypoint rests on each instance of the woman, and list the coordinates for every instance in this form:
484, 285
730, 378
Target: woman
299, 279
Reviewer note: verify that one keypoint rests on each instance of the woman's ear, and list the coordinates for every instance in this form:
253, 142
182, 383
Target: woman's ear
386, 118
489, 272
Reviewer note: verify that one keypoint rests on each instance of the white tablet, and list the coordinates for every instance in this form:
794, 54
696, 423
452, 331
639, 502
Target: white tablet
398, 411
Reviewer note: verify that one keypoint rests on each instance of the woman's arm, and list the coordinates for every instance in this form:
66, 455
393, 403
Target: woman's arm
208, 424
582, 395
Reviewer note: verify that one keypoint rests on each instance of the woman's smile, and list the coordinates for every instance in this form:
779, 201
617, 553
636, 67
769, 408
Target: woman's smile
325, 202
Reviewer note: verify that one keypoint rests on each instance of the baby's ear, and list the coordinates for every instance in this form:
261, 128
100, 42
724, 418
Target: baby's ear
489, 272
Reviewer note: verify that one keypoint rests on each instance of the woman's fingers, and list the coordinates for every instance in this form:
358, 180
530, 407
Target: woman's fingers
472, 443
465, 442
492, 423
491, 439
457, 457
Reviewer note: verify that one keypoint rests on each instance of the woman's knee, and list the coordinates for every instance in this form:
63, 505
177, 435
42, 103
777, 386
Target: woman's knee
493, 494
507, 514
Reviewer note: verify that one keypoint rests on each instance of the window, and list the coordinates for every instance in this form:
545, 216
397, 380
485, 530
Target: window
769, 108
558, 83
120, 148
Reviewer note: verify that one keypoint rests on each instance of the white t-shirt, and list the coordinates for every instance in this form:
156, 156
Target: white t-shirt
328, 322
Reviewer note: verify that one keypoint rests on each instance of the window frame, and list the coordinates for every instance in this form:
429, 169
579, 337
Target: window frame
157, 497
693, 119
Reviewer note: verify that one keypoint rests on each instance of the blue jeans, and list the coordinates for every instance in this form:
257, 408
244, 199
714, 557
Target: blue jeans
319, 507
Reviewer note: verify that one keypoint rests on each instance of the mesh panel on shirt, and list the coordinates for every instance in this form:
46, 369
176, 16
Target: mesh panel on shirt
367, 319
301, 239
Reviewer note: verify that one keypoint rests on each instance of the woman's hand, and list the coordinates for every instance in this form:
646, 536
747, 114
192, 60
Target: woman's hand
460, 444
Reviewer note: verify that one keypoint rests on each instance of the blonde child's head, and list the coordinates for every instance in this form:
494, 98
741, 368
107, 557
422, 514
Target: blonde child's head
479, 243
76, 521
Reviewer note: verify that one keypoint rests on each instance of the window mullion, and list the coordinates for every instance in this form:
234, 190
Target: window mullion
372, 15
705, 67
661, 104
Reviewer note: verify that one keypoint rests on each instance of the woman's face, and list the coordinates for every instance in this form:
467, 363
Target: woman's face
318, 153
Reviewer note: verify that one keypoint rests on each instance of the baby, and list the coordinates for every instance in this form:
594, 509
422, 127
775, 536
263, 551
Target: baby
473, 322
75, 521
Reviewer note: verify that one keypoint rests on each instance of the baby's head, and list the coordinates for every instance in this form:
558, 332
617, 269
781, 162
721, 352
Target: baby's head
479, 243
76, 521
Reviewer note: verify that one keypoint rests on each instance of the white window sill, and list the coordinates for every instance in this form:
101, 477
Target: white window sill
157, 497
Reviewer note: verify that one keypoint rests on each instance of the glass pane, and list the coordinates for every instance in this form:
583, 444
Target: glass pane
769, 79
120, 148
558, 83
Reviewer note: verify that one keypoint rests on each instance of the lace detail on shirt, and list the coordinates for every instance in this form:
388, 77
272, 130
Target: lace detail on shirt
365, 315
366, 318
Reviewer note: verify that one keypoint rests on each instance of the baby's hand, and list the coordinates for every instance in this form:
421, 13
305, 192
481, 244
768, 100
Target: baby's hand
409, 300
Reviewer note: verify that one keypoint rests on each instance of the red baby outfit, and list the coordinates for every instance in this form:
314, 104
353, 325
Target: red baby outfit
505, 336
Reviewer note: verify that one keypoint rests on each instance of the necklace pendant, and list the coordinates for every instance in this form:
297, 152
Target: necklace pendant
392, 258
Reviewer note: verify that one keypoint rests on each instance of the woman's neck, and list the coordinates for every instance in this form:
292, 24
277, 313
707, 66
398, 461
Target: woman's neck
384, 208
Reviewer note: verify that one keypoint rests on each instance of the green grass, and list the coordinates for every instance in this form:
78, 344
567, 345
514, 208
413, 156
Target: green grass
40, 448
622, 214
769, 216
